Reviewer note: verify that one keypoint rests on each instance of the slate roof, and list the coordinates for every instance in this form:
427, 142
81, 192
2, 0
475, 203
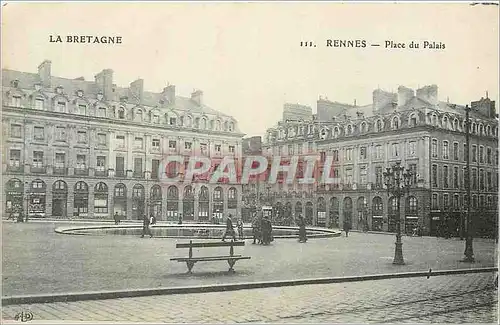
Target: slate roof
27, 80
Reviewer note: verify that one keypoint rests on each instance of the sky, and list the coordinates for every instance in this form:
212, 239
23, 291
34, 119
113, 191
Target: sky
247, 58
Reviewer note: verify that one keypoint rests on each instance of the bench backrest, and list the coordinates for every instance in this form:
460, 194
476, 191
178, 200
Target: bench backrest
210, 244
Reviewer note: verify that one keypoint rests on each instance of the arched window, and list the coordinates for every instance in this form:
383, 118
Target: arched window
121, 113
218, 193
362, 128
445, 122
412, 204
393, 205
81, 187
336, 132
203, 124
455, 125
138, 115
413, 119
189, 121
231, 127
217, 125
120, 190
232, 198
59, 186
349, 130
377, 206
380, 126
101, 187
395, 123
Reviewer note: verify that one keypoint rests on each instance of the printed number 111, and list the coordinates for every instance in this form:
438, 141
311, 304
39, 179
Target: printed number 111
307, 44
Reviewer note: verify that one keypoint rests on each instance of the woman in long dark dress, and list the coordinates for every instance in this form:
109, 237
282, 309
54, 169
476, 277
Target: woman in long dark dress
302, 230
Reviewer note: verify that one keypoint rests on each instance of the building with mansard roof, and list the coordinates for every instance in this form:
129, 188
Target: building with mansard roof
92, 149
426, 135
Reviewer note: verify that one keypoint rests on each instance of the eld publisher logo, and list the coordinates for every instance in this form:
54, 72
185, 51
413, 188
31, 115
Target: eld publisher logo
24, 316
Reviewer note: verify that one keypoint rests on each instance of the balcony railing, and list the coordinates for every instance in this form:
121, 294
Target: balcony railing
120, 173
38, 169
102, 173
15, 169
82, 171
60, 171
138, 174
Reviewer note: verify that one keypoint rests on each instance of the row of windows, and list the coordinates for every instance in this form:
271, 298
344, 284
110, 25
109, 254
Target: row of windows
137, 115
378, 126
82, 137
485, 156
454, 178
363, 153
120, 190
457, 201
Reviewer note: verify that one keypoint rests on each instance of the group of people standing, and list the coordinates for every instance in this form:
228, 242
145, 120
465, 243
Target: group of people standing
262, 230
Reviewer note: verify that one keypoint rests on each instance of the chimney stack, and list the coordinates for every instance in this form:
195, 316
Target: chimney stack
404, 95
44, 73
197, 97
428, 94
104, 80
169, 94
137, 89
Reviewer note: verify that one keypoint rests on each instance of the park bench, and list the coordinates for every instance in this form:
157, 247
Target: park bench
231, 258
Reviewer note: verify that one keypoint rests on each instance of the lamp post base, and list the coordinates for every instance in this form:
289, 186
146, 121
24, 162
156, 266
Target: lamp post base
398, 254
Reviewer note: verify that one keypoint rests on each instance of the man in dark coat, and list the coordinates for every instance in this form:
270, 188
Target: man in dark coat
347, 227
145, 227
229, 229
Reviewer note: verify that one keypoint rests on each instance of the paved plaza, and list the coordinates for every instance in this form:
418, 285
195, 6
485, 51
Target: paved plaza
468, 298
36, 260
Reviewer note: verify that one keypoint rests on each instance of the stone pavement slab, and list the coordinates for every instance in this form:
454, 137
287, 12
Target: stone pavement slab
470, 298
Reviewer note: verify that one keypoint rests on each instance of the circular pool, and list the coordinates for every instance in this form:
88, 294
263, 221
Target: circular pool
207, 231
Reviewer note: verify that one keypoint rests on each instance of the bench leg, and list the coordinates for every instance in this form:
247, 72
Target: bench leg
231, 264
190, 265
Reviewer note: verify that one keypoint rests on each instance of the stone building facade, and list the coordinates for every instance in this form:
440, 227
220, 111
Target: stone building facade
423, 134
90, 149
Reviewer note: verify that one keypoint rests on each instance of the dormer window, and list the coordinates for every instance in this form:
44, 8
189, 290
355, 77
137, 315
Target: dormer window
203, 125
59, 90
217, 125
81, 109
101, 112
39, 104
363, 127
336, 132
138, 116
156, 119
445, 122
121, 113
172, 121
231, 127
14, 83
61, 107
379, 126
15, 101
395, 123
38, 87
349, 129
189, 121
79, 93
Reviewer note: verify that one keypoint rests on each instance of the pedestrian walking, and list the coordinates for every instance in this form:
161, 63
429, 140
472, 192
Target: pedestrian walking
256, 229
229, 229
302, 229
145, 227
117, 218
239, 225
266, 231
346, 228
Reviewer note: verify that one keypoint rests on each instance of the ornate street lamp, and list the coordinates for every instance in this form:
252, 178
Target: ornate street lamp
397, 182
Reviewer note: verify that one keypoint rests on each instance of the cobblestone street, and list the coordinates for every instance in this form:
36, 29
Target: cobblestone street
443, 299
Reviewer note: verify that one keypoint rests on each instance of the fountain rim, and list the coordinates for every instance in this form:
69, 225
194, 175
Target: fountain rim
73, 230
